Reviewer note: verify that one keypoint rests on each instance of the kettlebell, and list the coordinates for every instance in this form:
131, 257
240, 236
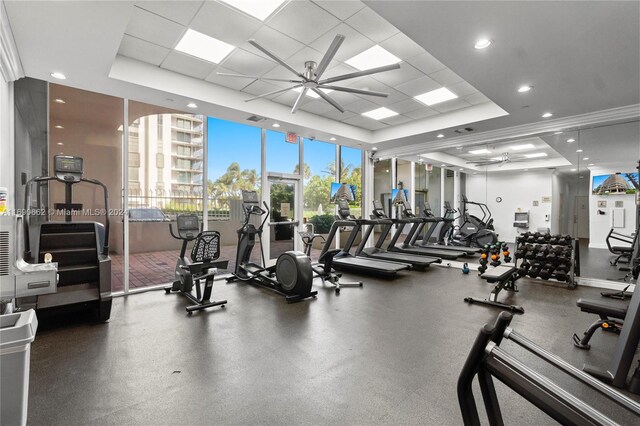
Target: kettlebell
465, 268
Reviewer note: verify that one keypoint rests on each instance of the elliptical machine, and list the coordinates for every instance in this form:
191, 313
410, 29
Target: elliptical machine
203, 265
473, 232
291, 276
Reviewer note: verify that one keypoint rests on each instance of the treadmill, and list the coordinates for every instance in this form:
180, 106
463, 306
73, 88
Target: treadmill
345, 261
378, 252
407, 247
429, 217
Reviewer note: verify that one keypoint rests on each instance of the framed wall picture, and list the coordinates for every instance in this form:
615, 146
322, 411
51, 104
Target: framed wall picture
619, 204
536, 203
602, 204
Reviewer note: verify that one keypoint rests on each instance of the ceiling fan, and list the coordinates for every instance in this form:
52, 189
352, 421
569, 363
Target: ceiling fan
500, 161
309, 79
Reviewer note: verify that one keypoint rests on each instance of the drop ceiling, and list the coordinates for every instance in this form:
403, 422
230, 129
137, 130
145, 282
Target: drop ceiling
581, 58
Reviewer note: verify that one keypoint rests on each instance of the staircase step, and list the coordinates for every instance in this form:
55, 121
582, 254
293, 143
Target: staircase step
56, 241
77, 274
71, 256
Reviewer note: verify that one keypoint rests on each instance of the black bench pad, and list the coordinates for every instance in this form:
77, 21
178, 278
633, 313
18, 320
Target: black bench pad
601, 307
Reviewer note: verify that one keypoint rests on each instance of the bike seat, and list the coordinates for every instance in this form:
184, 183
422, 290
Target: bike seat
601, 307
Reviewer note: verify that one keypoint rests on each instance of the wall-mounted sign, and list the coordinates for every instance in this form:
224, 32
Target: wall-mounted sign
285, 209
291, 137
619, 204
546, 199
535, 203
602, 204
428, 167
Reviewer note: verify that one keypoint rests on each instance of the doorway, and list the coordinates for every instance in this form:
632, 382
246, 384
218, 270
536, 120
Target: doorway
581, 217
283, 223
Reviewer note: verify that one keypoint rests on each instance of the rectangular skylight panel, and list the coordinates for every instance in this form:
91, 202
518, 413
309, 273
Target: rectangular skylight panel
260, 9
479, 151
204, 47
380, 113
536, 155
522, 147
436, 96
311, 93
374, 57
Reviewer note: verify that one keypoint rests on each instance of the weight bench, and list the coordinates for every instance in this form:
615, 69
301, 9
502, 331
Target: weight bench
505, 278
624, 253
611, 319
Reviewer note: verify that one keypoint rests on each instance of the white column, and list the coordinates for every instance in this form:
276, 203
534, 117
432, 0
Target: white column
266, 233
7, 142
443, 177
125, 190
299, 198
367, 189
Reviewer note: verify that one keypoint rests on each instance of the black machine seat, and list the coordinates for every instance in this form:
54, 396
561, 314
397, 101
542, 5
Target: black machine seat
601, 307
499, 273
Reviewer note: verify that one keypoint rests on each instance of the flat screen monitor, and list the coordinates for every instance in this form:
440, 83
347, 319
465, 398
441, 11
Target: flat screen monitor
250, 197
615, 183
342, 191
399, 196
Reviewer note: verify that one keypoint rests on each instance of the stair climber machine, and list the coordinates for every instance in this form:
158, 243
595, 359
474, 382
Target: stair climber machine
81, 249
291, 276
379, 217
435, 222
344, 260
203, 264
474, 232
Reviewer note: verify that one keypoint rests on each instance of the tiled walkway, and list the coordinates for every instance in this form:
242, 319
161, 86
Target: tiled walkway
157, 267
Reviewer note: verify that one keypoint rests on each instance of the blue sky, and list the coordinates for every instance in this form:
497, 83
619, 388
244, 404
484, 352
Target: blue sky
229, 142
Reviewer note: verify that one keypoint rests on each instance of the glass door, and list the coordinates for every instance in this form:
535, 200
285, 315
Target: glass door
283, 220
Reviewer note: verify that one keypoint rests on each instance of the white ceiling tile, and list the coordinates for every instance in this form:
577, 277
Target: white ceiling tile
365, 122
423, 112
318, 106
354, 43
396, 77
402, 46
281, 72
361, 105
287, 98
396, 119
230, 82
305, 54
187, 65
277, 43
224, 23
462, 89
153, 28
476, 98
340, 9
426, 63
304, 21
418, 86
334, 114
344, 98
451, 105
340, 69
247, 63
368, 83
372, 25
259, 88
142, 50
181, 12
405, 106
446, 77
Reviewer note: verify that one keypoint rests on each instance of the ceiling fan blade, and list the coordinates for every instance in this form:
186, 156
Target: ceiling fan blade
298, 102
272, 93
328, 56
328, 99
227, 74
350, 90
275, 58
360, 73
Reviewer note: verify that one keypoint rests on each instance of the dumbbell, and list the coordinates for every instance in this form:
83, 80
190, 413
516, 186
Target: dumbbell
484, 256
565, 239
542, 254
524, 268
534, 270
554, 239
562, 273
546, 271
533, 237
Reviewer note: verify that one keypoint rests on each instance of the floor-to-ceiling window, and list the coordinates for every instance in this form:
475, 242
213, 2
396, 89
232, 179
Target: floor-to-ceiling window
350, 172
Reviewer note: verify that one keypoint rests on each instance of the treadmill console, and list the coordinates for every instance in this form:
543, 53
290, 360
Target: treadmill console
344, 212
250, 197
378, 210
68, 168
406, 210
188, 225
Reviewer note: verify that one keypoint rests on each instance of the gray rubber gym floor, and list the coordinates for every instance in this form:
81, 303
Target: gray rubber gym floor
389, 353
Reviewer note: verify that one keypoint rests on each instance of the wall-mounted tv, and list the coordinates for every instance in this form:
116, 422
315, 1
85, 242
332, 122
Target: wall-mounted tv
342, 191
399, 196
616, 183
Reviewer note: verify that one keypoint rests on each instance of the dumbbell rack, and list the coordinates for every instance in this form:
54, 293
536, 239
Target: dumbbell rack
574, 265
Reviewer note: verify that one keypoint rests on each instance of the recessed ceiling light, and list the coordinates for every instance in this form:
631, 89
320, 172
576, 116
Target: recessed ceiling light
192, 105
258, 9
443, 165
482, 43
557, 133
458, 147
585, 158
590, 164
547, 115
436, 96
523, 146
332, 139
204, 47
526, 170
523, 89
276, 125
578, 150
375, 148
380, 113
387, 170
497, 158
58, 75
311, 93
440, 136
59, 127
573, 170
571, 140
60, 143
536, 155
460, 168
374, 57
479, 151
59, 101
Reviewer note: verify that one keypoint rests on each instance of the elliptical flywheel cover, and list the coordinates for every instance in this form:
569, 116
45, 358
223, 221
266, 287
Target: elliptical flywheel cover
294, 272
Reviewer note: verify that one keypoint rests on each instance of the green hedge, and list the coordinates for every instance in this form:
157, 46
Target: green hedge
322, 223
